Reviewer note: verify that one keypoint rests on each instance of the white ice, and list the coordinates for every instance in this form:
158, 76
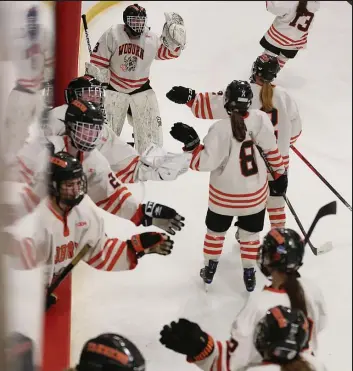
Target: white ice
222, 42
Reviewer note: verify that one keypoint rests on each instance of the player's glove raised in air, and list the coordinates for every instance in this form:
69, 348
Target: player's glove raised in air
187, 338
150, 243
162, 216
185, 134
181, 95
279, 186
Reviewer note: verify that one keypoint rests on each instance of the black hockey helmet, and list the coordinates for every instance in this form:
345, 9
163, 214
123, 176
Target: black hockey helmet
85, 87
282, 249
238, 96
135, 18
110, 352
63, 168
266, 67
33, 22
84, 123
281, 334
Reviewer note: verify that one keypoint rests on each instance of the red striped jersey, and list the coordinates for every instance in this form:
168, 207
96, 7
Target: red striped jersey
238, 175
289, 31
127, 59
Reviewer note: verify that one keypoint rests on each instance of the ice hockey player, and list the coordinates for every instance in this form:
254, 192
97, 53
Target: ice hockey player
280, 257
33, 69
238, 180
290, 29
68, 220
129, 167
274, 100
126, 52
110, 352
280, 337
84, 122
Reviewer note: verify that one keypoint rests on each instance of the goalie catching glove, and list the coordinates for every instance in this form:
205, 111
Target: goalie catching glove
187, 338
150, 243
162, 216
181, 95
174, 33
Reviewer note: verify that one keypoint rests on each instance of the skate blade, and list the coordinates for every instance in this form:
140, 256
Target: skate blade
326, 247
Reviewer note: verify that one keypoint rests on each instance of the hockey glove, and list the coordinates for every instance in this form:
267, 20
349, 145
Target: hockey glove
150, 243
279, 186
185, 134
187, 338
163, 217
181, 95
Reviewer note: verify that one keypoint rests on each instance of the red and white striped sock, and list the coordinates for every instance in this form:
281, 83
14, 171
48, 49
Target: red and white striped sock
277, 217
213, 245
249, 248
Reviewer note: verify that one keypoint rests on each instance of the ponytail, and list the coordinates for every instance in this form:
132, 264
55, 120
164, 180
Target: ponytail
301, 8
238, 126
266, 95
298, 364
295, 292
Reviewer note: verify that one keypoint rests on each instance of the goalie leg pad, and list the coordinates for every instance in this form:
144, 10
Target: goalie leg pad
116, 105
147, 120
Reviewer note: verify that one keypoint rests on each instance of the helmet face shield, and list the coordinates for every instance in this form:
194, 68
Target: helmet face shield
94, 94
85, 136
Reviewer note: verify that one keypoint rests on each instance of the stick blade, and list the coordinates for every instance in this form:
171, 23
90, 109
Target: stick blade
328, 209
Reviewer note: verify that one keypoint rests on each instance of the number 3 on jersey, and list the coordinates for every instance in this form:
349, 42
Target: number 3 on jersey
273, 115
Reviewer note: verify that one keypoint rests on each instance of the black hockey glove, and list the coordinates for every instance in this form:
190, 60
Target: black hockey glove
162, 216
187, 338
150, 243
185, 134
279, 186
181, 95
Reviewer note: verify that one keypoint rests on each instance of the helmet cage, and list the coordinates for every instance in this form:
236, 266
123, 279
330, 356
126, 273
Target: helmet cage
85, 136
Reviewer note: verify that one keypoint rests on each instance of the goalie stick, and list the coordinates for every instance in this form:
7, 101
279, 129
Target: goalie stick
325, 210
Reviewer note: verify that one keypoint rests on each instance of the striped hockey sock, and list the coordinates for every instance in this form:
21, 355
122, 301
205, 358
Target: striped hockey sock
277, 217
213, 245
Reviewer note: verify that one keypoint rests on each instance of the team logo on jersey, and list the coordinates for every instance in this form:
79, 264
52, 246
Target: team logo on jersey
130, 63
131, 49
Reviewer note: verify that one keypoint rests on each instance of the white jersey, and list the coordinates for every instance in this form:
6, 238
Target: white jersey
229, 356
34, 60
58, 240
103, 186
124, 160
284, 117
315, 364
129, 60
287, 30
238, 180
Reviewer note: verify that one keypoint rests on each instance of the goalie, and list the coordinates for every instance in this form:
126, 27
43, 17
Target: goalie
122, 59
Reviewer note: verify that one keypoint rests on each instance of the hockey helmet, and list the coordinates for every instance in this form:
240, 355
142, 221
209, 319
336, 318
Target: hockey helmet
266, 67
84, 123
281, 334
135, 18
67, 181
32, 22
238, 97
282, 249
110, 352
85, 87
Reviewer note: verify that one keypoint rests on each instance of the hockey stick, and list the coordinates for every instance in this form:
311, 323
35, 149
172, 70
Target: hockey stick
84, 20
315, 251
311, 167
67, 270
328, 209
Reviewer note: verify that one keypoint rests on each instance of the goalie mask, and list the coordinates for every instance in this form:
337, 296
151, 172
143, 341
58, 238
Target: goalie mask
32, 22
281, 334
283, 250
110, 352
85, 87
135, 19
67, 181
84, 123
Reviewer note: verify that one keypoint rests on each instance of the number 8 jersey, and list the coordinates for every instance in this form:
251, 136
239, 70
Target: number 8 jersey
238, 180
